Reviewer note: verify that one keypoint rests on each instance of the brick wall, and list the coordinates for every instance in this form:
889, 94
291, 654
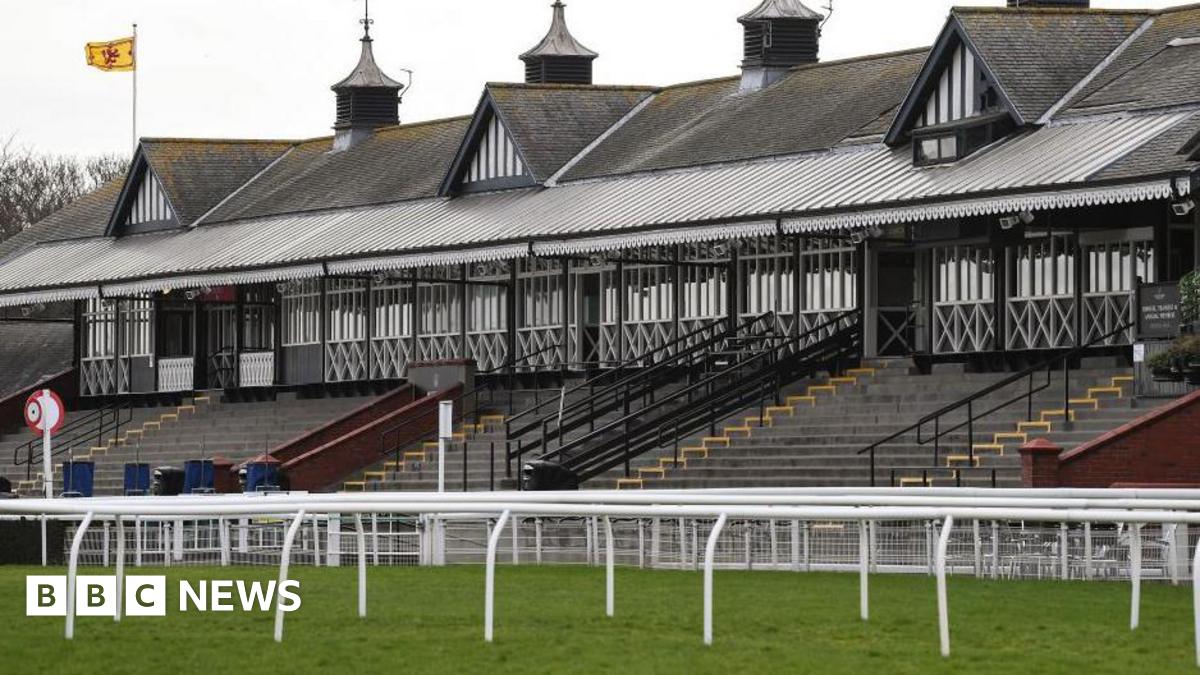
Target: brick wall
356, 419
324, 467
1162, 448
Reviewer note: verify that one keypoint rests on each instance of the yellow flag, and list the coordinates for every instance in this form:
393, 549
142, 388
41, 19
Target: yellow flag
115, 55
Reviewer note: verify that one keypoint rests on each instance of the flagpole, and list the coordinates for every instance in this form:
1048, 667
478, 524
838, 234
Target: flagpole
135, 72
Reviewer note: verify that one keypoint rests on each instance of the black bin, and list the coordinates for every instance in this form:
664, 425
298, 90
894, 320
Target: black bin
168, 481
540, 476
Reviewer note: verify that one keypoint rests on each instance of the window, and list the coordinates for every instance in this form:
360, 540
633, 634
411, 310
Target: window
301, 313
956, 140
937, 150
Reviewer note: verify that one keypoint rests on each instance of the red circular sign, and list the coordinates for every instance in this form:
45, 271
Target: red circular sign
42, 408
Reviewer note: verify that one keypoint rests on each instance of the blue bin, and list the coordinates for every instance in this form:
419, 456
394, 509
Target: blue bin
198, 476
78, 478
137, 480
262, 476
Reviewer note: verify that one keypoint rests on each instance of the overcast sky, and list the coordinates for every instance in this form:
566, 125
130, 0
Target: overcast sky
262, 68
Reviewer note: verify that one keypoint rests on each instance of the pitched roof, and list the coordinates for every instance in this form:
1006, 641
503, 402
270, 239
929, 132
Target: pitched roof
559, 41
198, 174
552, 123
1159, 156
84, 217
1038, 55
367, 73
394, 164
815, 107
1111, 83
780, 9
31, 352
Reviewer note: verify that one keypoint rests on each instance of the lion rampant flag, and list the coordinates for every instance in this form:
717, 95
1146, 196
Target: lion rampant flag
115, 55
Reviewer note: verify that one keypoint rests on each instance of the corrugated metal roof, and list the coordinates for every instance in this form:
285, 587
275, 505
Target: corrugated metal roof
826, 185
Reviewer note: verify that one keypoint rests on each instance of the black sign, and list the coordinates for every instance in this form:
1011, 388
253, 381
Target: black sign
1158, 310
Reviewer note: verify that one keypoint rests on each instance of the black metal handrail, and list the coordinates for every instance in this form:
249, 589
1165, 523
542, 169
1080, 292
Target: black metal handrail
623, 368
749, 381
642, 383
969, 402
86, 432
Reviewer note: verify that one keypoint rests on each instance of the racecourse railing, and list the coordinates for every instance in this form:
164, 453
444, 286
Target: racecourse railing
1115, 534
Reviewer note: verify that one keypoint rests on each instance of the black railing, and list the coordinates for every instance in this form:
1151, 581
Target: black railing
753, 378
414, 430
640, 379
930, 474
973, 403
84, 432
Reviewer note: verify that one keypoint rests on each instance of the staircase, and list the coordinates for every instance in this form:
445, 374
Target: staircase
815, 439
203, 428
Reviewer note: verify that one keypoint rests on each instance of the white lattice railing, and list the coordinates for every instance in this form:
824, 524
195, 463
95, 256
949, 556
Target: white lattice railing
257, 369
961, 327
176, 374
1041, 323
1104, 313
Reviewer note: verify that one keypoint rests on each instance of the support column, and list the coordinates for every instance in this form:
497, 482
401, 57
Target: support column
463, 313
369, 303
239, 331
799, 285
676, 294
869, 299
510, 309
416, 322
1080, 310
619, 338
732, 296
324, 325
564, 349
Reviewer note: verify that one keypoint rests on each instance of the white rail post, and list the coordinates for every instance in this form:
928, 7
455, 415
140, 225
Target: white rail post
72, 569
516, 540
1063, 559
710, 552
1135, 574
537, 539
316, 531
138, 541
1196, 600
774, 535
1087, 551
978, 549
940, 565
864, 565
489, 591
120, 569
655, 542
807, 549
45, 560
223, 534
873, 535
682, 545
995, 550
104, 548
284, 560
375, 539
795, 546
362, 565
641, 528
609, 581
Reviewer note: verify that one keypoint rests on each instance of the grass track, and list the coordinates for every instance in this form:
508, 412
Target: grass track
552, 620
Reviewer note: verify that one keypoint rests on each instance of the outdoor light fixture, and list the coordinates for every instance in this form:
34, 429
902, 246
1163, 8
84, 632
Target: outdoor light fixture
1009, 222
1183, 208
857, 238
1026, 217
380, 278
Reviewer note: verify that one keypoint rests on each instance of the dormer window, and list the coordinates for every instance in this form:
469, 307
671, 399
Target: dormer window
952, 141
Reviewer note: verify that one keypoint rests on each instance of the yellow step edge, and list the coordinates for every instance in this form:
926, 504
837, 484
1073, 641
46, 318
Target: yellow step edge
354, 485
1105, 390
1040, 425
761, 421
962, 459
623, 483
827, 388
698, 453
1094, 403
781, 409
151, 425
1010, 435
797, 400
738, 430
414, 456
432, 445
989, 447
375, 475
907, 482
843, 380
861, 371
1127, 379
670, 462
659, 471
492, 418
1056, 413
168, 417
185, 408
715, 440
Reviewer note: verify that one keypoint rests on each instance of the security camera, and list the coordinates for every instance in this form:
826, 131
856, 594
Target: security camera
1184, 208
1026, 217
1009, 222
857, 238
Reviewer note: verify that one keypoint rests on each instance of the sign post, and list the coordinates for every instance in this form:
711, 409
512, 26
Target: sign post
44, 415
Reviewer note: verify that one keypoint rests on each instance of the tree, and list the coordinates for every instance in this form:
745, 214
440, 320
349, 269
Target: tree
33, 186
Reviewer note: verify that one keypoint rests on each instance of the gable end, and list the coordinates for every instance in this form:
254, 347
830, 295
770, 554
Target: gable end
143, 205
489, 157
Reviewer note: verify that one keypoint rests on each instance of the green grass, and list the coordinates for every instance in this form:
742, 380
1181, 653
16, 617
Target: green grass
552, 620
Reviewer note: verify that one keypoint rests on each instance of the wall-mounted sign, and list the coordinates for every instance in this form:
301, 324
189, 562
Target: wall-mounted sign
1158, 310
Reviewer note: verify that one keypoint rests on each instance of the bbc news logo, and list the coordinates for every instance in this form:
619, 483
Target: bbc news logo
147, 596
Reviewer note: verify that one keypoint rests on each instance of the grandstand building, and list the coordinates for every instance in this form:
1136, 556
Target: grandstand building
987, 201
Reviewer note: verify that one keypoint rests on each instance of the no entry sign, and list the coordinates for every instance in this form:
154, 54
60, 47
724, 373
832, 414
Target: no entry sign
44, 410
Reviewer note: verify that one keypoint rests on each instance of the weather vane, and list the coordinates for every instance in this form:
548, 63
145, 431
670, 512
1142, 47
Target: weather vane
366, 21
